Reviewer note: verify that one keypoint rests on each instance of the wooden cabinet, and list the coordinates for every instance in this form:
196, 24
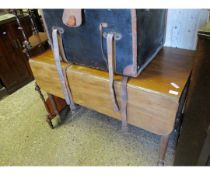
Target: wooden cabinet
14, 67
193, 147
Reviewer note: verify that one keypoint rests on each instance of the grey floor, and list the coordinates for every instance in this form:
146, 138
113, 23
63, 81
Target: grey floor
85, 138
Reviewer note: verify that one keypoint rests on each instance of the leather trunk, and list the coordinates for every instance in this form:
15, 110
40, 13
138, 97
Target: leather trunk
140, 34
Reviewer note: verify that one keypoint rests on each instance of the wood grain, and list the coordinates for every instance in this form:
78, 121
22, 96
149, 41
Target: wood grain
45, 73
150, 105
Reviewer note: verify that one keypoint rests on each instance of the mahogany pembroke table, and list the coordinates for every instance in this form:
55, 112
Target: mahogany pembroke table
155, 98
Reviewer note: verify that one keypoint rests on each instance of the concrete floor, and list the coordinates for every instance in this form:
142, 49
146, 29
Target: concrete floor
86, 138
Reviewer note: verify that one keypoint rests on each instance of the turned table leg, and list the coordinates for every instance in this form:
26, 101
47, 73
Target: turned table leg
52, 100
163, 148
49, 116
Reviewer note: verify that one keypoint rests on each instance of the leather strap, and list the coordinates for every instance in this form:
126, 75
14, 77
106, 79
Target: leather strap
72, 105
61, 49
111, 57
101, 26
61, 76
124, 98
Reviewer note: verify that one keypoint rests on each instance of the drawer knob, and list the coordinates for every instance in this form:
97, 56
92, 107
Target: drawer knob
4, 33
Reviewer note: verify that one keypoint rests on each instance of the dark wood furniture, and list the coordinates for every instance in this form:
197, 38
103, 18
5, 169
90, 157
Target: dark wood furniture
153, 101
193, 147
204, 157
53, 105
14, 67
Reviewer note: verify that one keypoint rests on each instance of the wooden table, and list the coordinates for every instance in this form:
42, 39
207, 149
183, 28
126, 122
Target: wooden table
153, 97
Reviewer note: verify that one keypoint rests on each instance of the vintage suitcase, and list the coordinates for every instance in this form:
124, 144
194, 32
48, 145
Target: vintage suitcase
138, 35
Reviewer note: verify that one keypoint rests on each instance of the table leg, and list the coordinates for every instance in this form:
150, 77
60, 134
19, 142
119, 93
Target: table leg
163, 148
49, 121
49, 116
52, 100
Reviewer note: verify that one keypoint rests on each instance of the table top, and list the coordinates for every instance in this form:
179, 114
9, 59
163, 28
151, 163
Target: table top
166, 75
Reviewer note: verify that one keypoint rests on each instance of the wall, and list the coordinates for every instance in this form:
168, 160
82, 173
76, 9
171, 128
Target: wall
182, 26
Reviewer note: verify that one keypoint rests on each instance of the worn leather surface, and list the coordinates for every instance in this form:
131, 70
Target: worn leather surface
82, 44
